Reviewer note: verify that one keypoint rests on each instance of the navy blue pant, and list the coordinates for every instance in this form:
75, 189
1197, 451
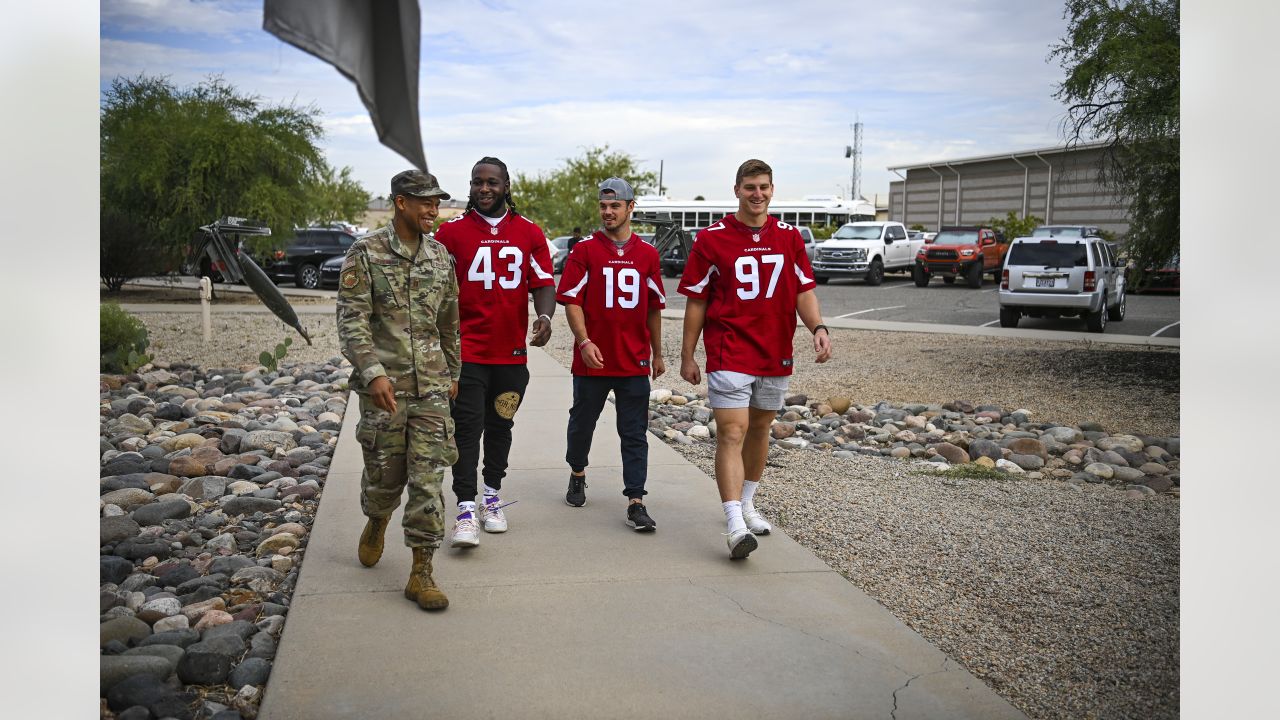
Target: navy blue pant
631, 403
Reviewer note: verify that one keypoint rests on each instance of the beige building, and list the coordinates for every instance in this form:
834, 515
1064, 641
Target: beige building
1059, 185
379, 211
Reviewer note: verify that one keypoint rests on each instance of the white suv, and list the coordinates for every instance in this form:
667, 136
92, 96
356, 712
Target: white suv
1062, 276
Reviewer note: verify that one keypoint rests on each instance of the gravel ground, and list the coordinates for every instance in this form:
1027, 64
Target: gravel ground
1125, 388
1062, 599
237, 338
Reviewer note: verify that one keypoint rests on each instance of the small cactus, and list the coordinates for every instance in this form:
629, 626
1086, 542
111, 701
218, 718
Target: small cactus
271, 359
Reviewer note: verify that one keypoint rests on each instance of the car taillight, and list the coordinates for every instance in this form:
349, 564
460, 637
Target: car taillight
1004, 280
1090, 281
279, 255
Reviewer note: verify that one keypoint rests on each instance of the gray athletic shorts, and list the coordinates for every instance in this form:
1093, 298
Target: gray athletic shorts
727, 389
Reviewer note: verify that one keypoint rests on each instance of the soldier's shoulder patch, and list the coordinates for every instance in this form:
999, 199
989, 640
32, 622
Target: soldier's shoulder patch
350, 277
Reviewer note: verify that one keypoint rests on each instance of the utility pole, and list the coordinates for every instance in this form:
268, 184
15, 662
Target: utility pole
661, 192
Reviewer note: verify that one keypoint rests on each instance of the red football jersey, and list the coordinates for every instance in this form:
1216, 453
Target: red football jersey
616, 288
497, 267
750, 281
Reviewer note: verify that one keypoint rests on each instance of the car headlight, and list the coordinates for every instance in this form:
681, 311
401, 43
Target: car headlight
966, 252
859, 254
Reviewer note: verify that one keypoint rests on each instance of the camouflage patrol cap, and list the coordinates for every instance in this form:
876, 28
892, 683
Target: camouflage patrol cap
417, 184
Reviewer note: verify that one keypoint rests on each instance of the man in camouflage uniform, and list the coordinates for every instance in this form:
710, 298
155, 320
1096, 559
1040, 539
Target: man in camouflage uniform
398, 325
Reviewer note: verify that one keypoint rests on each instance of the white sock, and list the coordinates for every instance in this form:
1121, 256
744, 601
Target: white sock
466, 506
749, 492
733, 513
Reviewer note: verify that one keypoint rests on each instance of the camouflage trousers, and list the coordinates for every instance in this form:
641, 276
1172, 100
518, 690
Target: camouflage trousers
410, 447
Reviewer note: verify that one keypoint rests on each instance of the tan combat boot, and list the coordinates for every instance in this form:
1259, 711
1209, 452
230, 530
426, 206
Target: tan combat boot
422, 588
371, 540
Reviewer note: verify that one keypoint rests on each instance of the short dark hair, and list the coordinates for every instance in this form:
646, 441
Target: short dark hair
753, 167
577, 231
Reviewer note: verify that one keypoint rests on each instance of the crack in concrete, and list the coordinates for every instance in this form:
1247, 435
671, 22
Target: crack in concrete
802, 631
893, 714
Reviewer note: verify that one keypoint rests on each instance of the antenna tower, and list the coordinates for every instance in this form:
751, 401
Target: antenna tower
855, 151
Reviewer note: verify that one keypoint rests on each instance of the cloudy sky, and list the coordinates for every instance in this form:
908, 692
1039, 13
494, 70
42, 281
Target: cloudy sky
698, 85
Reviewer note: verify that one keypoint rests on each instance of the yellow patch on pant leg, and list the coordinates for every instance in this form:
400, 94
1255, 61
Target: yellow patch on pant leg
506, 404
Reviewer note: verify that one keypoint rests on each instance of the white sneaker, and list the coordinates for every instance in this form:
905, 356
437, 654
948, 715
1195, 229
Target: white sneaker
495, 521
466, 533
741, 543
755, 521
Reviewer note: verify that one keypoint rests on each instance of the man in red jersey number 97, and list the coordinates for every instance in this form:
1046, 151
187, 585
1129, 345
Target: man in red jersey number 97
500, 259
746, 278
611, 290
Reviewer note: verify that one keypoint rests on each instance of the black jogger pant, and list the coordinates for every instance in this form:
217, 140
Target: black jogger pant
488, 397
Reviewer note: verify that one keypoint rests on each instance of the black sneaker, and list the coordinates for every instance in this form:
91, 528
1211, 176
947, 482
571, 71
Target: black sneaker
638, 518
577, 494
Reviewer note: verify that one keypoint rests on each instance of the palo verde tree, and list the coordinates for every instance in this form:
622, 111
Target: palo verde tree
173, 159
567, 197
1121, 87
337, 196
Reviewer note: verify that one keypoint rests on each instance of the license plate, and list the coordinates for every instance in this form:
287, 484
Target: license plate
1045, 282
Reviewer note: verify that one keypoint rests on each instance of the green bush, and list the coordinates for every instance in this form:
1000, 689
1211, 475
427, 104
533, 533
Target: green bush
122, 340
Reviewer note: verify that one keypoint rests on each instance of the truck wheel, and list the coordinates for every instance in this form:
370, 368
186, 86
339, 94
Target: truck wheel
1097, 321
1009, 317
308, 277
875, 273
668, 271
974, 276
949, 279
821, 280
920, 276
1117, 313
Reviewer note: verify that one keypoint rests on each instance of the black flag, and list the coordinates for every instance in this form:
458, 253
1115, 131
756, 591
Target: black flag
375, 43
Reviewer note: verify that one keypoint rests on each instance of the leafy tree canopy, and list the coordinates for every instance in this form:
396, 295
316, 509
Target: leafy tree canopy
173, 159
1121, 87
567, 196
1013, 226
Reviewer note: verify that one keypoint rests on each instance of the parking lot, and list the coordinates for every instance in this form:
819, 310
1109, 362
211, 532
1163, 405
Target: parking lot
899, 300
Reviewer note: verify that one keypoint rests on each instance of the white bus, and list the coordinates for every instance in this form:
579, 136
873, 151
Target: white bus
813, 210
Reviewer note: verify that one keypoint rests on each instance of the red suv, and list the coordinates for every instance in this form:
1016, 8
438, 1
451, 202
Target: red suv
966, 252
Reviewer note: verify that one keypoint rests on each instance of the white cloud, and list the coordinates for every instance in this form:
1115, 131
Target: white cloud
697, 85
182, 16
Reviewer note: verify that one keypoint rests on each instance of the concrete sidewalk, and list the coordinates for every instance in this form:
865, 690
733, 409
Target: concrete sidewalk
571, 614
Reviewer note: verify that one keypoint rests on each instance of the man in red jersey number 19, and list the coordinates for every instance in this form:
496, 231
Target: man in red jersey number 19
746, 279
500, 259
611, 290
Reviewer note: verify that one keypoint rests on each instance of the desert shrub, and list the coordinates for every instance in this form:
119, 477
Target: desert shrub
122, 340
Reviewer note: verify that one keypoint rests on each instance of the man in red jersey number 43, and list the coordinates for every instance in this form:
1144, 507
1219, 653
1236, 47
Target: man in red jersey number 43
611, 290
746, 279
500, 259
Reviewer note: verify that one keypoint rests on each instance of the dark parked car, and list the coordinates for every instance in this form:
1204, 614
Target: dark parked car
1166, 278
300, 261
673, 262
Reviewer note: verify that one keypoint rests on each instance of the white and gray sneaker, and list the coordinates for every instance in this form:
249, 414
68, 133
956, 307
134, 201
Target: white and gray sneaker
495, 521
741, 543
755, 521
466, 532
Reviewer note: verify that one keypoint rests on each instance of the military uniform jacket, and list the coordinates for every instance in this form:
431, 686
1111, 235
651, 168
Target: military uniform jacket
398, 315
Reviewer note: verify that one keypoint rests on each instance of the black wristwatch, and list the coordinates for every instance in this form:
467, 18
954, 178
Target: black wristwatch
816, 328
